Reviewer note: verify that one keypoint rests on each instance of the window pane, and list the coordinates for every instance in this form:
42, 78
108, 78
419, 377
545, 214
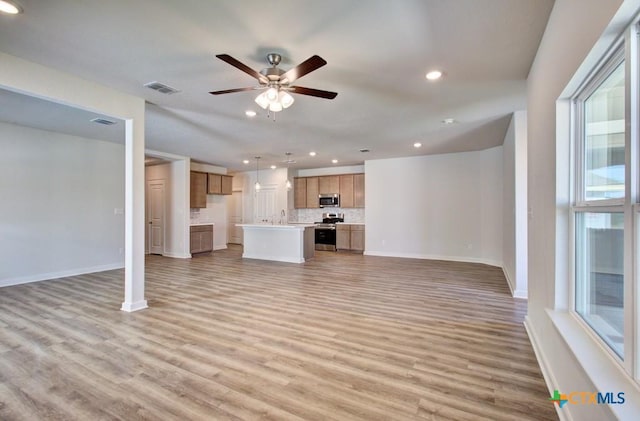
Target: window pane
599, 275
604, 139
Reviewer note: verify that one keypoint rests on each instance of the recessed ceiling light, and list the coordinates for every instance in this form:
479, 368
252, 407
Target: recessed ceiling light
312, 153
334, 161
10, 7
417, 145
246, 161
273, 167
434, 75
449, 120
250, 113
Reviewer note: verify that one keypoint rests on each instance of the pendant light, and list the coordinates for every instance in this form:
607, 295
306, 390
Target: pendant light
257, 185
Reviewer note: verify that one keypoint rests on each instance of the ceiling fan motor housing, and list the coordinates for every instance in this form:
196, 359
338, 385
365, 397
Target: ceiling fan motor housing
273, 73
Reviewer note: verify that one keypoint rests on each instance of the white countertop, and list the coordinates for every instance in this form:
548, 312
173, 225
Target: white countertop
201, 223
281, 226
349, 223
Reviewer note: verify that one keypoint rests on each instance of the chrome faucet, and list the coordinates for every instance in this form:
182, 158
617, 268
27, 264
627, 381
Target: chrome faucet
283, 217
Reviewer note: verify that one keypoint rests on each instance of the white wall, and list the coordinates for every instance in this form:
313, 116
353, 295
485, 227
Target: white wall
33, 79
437, 207
174, 174
277, 179
59, 196
573, 29
514, 239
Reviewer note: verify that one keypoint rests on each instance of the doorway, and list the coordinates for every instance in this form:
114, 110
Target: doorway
266, 205
156, 215
235, 212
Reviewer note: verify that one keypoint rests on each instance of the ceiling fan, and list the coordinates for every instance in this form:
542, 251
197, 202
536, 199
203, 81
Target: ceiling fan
276, 83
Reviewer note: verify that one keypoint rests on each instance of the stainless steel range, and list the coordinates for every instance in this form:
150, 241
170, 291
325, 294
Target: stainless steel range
326, 231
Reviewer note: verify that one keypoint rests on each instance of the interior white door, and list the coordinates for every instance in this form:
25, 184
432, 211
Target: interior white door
235, 212
265, 205
155, 215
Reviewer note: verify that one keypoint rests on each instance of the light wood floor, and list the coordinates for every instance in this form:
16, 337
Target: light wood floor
343, 337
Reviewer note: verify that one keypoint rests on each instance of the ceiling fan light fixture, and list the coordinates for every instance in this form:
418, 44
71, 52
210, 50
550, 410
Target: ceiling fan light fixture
285, 99
272, 94
262, 100
275, 106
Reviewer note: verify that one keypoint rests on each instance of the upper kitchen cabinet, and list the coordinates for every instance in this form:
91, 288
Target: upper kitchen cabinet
299, 192
349, 186
219, 184
198, 189
346, 191
312, 192
328, 184
358, 190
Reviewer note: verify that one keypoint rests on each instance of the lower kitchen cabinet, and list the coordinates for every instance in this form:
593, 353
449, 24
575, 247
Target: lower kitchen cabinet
350, 237
201, 239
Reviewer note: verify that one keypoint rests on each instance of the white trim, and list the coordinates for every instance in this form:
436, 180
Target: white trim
222, 247
604, 372
272, 258
51, 276
434, 257
517, 293
177, 255
545, 367
131, 307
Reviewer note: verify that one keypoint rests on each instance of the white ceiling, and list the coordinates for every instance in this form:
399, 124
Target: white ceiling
378, 52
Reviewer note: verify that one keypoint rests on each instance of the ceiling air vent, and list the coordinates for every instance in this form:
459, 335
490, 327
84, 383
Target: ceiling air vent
161, 87
102, 121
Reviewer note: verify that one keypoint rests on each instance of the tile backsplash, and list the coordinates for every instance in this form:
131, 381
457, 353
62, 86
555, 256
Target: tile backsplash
315, 215
201, 216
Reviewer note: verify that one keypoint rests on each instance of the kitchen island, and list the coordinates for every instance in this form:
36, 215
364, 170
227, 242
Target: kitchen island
293, 243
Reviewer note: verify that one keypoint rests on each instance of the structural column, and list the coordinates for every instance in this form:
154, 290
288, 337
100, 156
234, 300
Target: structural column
134, 216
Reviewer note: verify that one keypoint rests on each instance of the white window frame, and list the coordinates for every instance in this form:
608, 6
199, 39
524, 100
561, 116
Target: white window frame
625, 49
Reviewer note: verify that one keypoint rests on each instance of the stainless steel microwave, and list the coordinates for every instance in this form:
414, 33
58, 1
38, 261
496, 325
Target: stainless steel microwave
329, 200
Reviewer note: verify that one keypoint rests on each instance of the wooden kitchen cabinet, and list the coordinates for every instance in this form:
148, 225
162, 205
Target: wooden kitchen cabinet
350, 237
201, 239
312, 192
343, 237
328, 184
357, 238
346, 191
198, 189
358, 190
219, 184
299, 192
227, 184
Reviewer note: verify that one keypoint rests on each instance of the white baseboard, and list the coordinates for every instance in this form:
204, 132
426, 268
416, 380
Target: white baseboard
177, 255
131, 307
222, 247
543, 362
273, 258
518, 293
434, 257
60, 274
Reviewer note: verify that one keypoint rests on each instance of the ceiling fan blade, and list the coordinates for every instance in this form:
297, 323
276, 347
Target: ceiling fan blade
313, 92
307, 66
239, 65
230, 91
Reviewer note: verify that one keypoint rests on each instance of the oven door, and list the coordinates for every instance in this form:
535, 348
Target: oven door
326, 238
